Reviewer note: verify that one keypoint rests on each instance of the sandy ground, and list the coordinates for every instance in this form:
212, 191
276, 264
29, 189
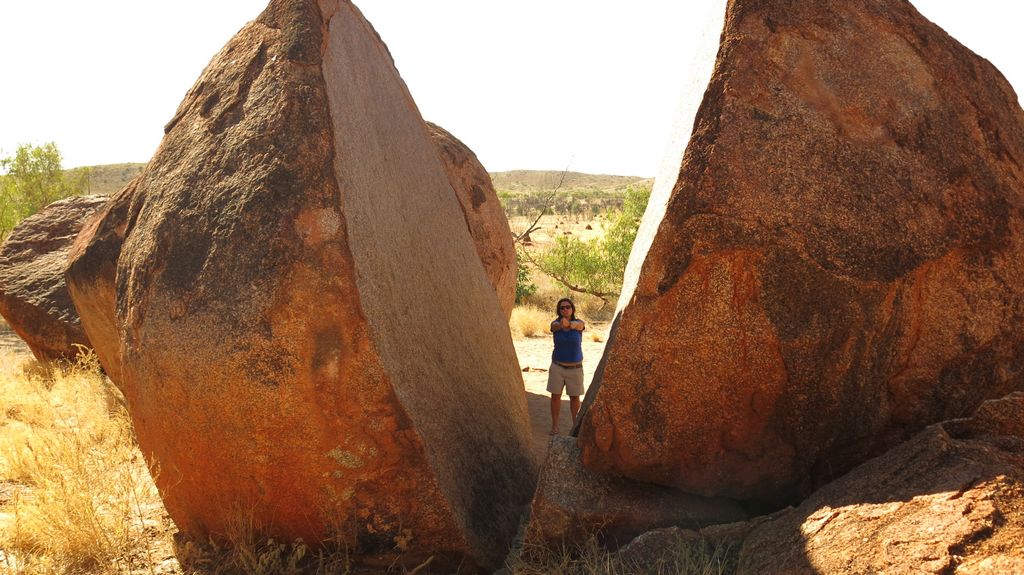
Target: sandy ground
535, 357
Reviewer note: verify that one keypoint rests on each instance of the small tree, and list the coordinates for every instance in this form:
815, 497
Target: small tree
33, 178
596, 267
524, 285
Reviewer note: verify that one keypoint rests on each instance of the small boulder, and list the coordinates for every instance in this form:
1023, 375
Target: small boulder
951, 500
33, 296
572, 503
90, 275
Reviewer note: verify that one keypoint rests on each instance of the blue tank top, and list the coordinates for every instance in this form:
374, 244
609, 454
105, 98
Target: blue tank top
568, 346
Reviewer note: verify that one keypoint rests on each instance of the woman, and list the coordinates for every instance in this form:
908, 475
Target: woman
566, 369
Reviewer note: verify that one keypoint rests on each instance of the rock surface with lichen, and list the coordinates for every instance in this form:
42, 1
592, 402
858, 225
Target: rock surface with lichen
836, 261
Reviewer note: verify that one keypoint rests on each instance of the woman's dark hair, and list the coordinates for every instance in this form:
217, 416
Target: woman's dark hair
558, 312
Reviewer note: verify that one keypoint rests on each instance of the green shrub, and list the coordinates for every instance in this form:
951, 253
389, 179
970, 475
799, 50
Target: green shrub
596, 267
33, 179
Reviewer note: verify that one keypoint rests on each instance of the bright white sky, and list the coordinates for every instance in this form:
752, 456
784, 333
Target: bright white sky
591, 85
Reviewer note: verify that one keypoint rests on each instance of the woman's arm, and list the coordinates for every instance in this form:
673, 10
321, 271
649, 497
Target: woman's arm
578, 325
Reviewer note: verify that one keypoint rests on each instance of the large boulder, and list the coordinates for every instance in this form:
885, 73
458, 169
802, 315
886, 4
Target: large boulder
573, 503
33, 296
306, 333
951, 500
483, 212
835, 262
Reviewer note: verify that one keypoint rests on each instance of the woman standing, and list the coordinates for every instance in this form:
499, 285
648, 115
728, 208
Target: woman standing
566, 369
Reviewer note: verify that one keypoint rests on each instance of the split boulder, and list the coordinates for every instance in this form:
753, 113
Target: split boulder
835, 262
33, 296
291, 299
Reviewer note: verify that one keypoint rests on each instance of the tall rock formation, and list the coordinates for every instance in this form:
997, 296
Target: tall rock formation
305, 330
483, 212
33, 296
835, 262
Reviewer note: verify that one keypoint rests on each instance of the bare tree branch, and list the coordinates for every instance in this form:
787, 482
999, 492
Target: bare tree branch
544, 210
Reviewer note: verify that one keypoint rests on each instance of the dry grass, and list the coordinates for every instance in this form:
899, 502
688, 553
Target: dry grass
589, 558
76, 496
79, 496
529, 321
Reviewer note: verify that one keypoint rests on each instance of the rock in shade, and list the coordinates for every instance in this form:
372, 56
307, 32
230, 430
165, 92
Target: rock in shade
307, 335
33, 296
951, 500
835, 262
483, 212
90, 276
572, 504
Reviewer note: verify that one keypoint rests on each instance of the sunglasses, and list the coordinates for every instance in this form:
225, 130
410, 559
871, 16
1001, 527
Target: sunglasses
565, 307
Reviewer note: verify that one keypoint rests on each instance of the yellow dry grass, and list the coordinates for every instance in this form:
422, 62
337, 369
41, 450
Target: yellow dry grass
77, 497
529, 321
589, 558
76, 494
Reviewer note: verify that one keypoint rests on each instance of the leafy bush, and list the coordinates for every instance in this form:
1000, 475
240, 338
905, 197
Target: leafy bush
596, 267
33, 178
524, 285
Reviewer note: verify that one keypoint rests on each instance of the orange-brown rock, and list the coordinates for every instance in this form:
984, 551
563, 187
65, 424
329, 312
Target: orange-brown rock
835, 261
306, 331
90, 276
949, 501
33, 296
483, 212
573, 503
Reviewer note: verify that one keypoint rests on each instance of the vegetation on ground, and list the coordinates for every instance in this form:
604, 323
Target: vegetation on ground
594, 267
33, 178
77, 496
589, 558
529, 321
525, 192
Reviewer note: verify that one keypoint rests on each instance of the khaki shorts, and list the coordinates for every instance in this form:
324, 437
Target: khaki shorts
570, 379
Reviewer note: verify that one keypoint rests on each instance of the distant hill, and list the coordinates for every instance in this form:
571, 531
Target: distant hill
110, 178
541, 181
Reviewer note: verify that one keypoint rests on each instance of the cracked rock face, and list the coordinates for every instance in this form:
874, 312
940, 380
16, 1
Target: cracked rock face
289, 300
33, 296
949, 501
838, 261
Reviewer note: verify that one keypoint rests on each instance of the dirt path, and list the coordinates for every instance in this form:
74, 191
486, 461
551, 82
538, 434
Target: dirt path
535, 355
